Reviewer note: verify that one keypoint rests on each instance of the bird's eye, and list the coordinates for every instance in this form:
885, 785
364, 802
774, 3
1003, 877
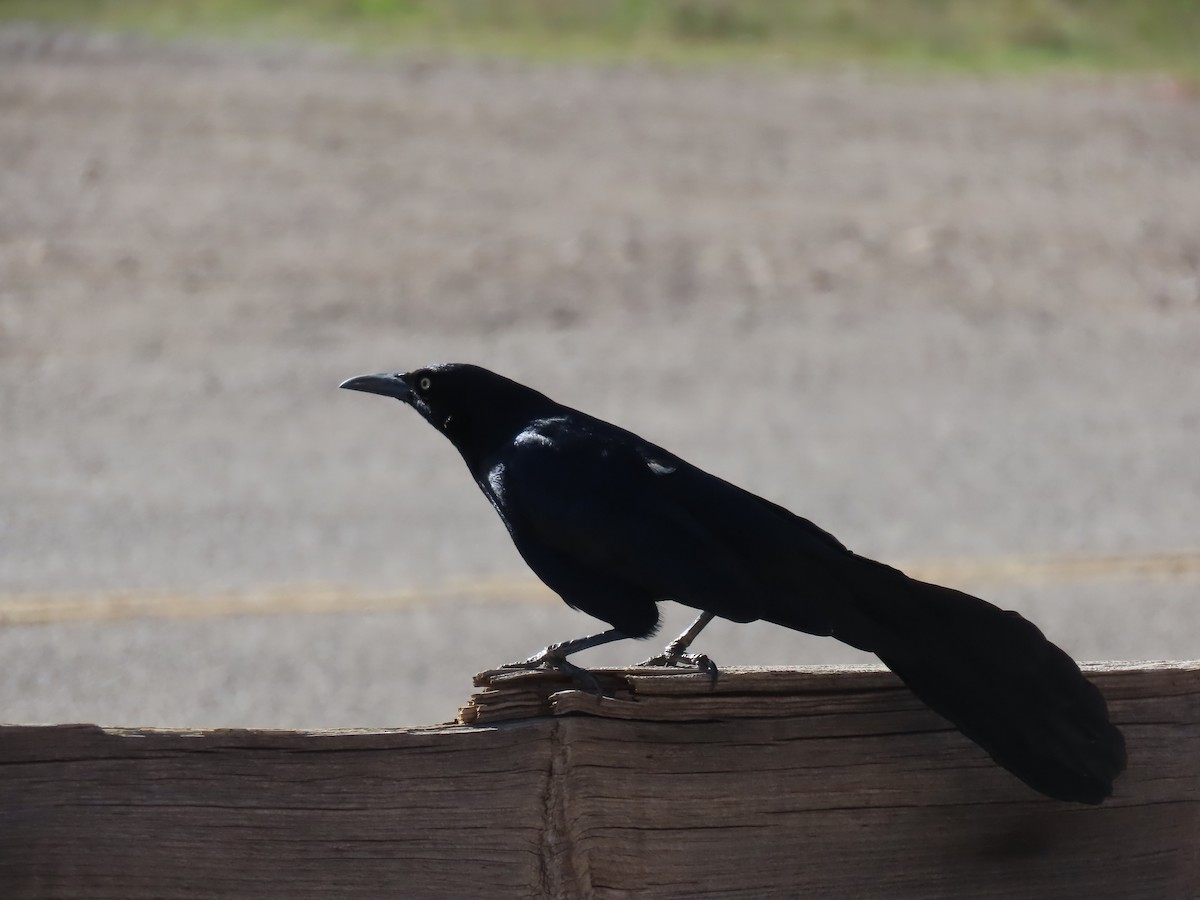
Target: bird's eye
424, 383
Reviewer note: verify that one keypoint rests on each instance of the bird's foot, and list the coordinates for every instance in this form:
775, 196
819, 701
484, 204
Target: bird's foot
553, 659
672, 657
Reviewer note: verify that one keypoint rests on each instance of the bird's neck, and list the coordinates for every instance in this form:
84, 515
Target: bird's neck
484, 432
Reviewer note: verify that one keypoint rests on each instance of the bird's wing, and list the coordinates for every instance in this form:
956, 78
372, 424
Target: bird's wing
585, 500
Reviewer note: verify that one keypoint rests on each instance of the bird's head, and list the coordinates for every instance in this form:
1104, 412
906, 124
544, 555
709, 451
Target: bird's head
476, 409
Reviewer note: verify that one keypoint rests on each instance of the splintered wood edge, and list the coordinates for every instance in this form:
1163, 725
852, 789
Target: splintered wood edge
679, 695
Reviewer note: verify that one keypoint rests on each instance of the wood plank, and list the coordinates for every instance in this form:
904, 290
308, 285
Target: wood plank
129, 814
777, 783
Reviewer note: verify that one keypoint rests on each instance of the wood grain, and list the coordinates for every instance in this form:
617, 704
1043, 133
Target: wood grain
826, 782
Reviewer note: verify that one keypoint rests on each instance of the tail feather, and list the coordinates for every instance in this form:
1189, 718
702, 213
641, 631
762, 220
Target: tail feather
994, 675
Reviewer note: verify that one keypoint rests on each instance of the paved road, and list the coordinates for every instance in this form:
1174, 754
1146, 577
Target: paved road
944, 319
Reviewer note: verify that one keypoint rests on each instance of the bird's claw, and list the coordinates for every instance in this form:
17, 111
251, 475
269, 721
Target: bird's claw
544, 658
552, 659
671, 659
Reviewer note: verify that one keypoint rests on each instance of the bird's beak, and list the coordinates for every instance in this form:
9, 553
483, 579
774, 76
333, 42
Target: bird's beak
388, 384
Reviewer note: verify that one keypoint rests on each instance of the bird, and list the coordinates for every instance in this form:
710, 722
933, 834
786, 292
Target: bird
615, 524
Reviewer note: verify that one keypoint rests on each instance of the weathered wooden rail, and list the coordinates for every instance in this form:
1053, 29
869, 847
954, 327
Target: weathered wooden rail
778, 783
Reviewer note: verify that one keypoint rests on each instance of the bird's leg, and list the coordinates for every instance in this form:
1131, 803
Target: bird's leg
555, 657
676, 651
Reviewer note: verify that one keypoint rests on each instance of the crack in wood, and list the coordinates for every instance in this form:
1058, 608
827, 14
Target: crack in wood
564, 863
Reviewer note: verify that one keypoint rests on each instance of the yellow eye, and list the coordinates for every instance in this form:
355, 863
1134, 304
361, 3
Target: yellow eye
424, 383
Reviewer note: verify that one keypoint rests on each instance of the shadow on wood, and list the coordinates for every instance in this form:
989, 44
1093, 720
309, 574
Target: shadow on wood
776, 783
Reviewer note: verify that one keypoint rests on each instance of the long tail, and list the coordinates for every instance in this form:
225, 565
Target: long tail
993, 674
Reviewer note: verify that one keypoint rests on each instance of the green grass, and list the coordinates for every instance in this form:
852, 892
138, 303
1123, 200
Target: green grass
962, 35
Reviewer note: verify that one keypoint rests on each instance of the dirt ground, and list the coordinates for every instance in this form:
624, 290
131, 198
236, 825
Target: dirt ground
942, 318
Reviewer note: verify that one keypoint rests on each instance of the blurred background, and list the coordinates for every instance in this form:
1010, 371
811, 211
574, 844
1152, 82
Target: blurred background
927, 273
